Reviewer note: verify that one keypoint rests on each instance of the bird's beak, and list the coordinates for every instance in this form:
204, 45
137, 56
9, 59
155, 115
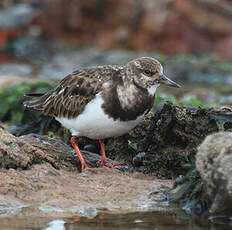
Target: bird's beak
166, 81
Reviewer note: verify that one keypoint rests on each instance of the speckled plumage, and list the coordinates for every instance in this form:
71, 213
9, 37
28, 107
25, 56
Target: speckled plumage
69, 98
105, 101
121, 85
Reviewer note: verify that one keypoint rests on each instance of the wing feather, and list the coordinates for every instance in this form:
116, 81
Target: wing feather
73, 93
69, 98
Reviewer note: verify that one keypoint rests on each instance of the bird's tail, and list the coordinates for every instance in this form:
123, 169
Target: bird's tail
36, 101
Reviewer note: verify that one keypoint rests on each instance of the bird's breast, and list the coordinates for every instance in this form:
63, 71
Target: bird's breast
126, 103
95, 123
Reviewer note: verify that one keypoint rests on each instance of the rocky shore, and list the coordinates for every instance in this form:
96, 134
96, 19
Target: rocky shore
41, 174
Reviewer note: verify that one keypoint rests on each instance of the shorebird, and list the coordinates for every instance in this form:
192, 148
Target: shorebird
104, 101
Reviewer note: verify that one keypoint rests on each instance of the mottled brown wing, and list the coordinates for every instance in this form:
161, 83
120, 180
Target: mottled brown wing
69, 98
74, 92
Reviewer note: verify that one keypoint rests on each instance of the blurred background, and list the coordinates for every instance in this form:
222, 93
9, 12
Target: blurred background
48, 39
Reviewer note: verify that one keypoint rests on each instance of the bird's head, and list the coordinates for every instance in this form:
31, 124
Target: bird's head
148, 73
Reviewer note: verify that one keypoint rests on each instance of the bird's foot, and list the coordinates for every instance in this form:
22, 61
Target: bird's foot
83, 166
107, 164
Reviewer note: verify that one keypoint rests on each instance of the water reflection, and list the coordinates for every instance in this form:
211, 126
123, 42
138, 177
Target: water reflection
106, 221
145, 220
55, 225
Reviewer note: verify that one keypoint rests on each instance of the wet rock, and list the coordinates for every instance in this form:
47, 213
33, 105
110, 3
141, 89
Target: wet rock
214, 162
90, 148
189, 192
180, 191
170, 142
162, 144
39, 176
138, 159
58, 192
23, 152
16, 153
169, 138
3, 126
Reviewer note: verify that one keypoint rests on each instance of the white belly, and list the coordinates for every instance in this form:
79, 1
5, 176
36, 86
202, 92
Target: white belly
94, 124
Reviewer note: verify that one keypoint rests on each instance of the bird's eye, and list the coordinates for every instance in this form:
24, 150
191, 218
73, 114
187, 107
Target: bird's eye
147, 72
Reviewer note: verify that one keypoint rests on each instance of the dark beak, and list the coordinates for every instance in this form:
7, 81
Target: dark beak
166, 81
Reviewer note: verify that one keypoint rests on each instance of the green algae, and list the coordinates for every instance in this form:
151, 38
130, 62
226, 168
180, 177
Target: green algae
12, 110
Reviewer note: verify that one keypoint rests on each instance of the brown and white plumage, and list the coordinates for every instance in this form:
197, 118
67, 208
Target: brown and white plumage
69, 98
105, 101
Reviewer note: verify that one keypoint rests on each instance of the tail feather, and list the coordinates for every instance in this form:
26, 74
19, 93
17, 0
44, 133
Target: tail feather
37, 101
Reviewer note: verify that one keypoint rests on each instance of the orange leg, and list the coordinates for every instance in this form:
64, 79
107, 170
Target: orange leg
104, 161
78, 152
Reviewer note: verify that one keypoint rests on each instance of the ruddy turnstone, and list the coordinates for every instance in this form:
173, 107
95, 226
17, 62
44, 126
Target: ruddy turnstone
104, 101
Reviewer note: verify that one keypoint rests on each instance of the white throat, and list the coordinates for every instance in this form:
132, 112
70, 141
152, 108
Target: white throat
152, 89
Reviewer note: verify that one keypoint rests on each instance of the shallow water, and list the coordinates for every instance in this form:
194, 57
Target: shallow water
105, 221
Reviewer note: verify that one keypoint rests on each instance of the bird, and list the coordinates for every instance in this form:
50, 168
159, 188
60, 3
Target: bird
103, 101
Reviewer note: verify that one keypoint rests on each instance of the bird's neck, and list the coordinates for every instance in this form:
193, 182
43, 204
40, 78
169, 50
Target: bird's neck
151, 90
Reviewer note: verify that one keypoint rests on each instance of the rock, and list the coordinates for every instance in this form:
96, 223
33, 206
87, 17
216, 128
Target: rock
214, 162
170, 142
189, 193
16, 153
3, 126
23, 152
39, 176
165, 148
138, 159
179, 192
60, 192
